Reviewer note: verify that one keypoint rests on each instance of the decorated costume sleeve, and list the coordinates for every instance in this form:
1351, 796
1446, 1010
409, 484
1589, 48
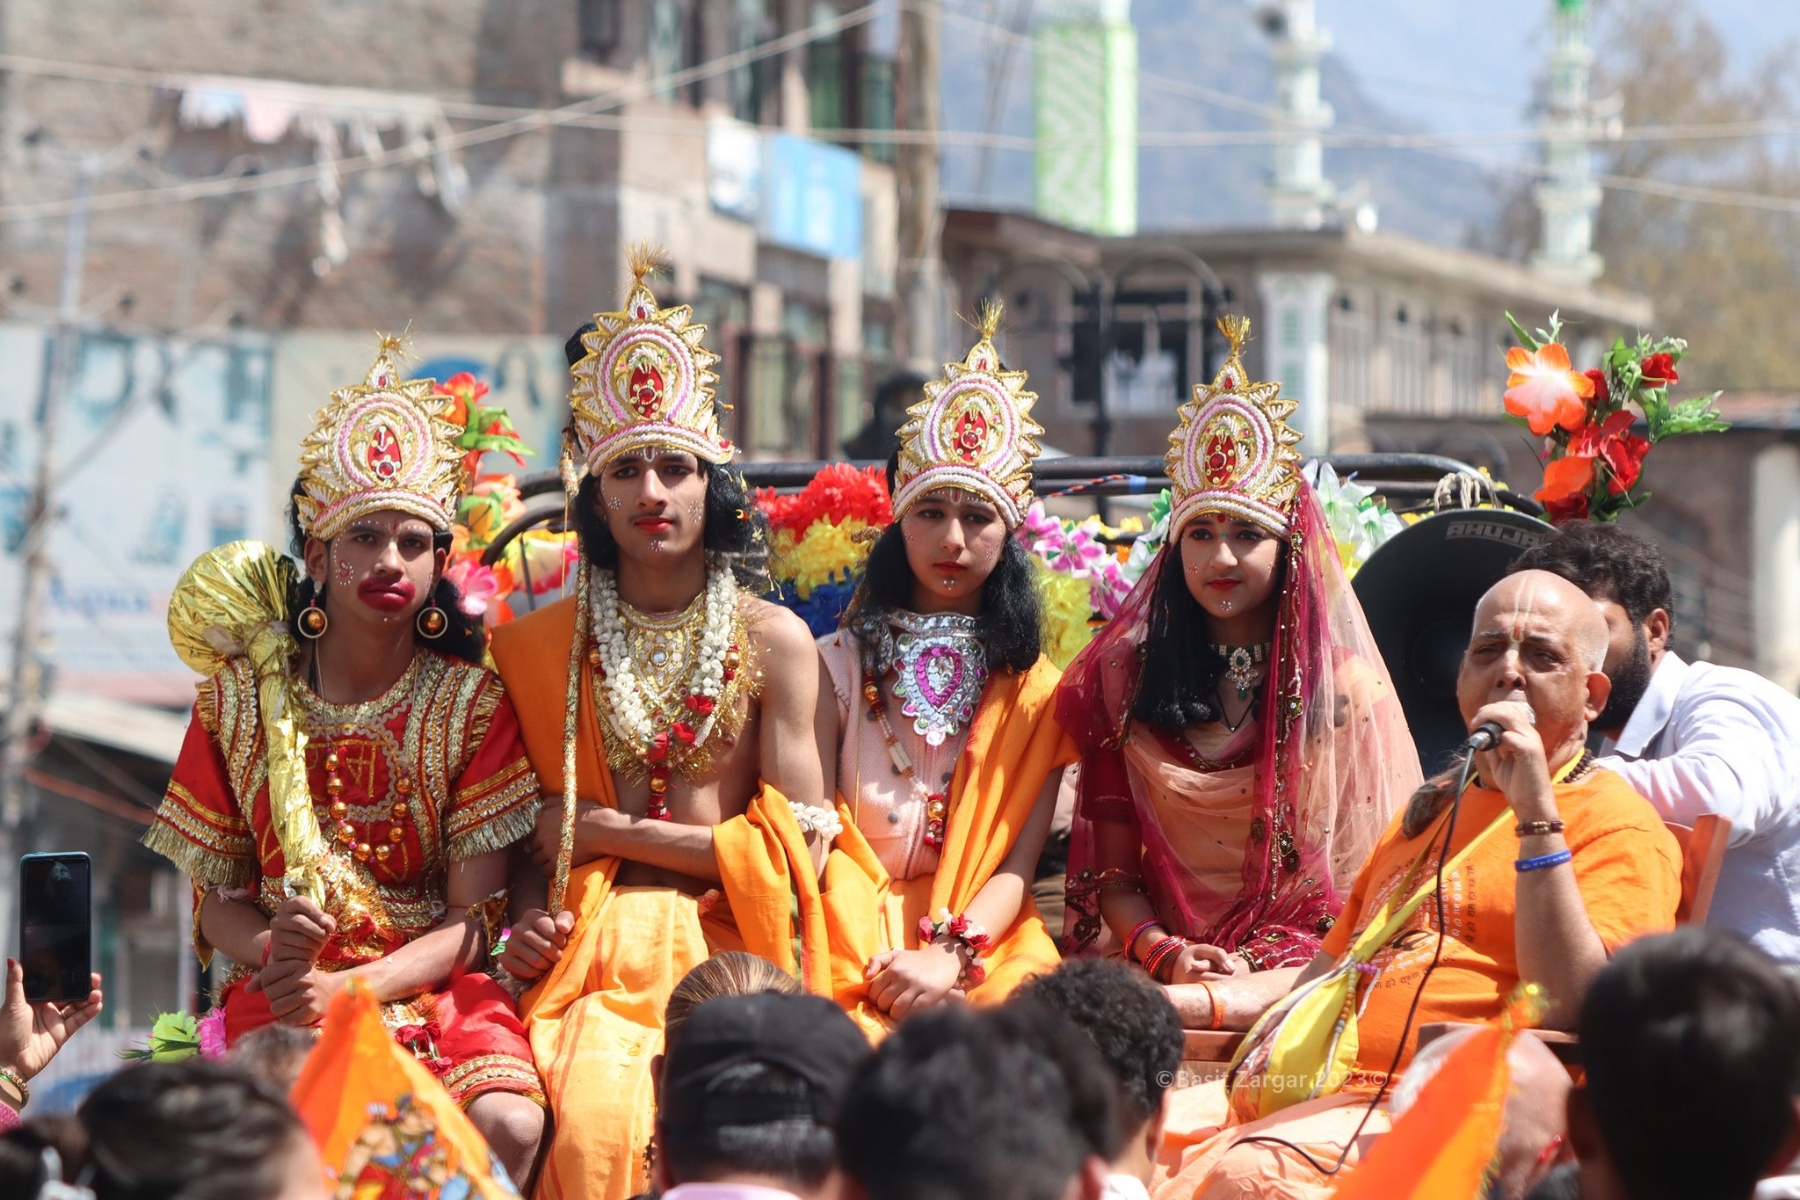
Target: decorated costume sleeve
495, 800
199, 826
1105, 793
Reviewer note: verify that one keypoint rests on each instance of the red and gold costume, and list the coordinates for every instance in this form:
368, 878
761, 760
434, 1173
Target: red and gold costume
430, 773
442, 747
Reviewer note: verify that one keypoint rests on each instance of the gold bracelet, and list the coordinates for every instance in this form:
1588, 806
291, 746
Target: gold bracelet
16, 1085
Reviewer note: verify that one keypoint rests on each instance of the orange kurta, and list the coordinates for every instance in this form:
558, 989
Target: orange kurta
1628, 868
596, 1020
1013, 747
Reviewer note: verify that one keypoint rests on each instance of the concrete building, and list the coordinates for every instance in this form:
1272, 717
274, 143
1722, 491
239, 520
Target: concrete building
400, 168
265, 186
1359, 327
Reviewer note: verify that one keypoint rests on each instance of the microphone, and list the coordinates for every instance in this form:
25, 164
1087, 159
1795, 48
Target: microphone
1485, 737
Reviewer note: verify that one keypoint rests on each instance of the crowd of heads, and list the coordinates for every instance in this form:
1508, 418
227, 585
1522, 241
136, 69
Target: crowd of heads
1690, 1044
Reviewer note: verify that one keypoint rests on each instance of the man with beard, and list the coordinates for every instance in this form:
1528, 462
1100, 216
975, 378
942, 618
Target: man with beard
1694, 738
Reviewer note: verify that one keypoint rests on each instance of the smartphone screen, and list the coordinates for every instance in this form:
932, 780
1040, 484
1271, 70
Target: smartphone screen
55, 899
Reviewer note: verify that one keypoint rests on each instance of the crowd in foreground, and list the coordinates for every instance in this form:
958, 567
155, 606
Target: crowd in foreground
663, 789
1690, 1043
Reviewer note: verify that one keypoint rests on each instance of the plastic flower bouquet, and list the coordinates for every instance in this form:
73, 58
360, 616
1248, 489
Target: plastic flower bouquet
1593, 453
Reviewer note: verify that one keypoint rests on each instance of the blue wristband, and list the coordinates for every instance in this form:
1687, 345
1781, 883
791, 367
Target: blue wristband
1543, 861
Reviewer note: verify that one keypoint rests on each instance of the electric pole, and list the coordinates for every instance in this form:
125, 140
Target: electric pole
25, 704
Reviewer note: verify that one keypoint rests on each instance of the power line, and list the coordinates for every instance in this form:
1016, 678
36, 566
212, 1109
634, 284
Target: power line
511, 121
529, 121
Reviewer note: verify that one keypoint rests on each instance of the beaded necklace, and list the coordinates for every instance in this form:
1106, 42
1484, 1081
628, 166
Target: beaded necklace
360, 844
937, 804
665, 680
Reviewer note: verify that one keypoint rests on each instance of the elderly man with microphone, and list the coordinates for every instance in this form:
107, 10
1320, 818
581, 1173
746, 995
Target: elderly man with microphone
1529, 864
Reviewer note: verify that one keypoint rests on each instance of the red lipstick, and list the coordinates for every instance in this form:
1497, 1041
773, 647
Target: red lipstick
385, 595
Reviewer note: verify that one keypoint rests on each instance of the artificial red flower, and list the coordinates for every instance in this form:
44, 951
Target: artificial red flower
837, 492
684, 731
701, 704
959, 925
1615, 444
1602, 393
1574, 508
1658, 370
659, 748
1545, 390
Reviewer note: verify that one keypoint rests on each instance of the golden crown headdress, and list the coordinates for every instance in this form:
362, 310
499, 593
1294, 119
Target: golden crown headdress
385, 443
1234, 450
646, 379
972, 431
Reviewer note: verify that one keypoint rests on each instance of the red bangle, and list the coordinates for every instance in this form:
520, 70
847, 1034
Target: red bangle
1131, 942
1162, 954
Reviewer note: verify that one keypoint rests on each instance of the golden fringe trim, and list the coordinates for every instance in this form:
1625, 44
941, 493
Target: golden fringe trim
481, 713
207, 866
206, 706
494, 1073
496, 834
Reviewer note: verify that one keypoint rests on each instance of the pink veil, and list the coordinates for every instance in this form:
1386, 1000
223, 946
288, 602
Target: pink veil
1324, 786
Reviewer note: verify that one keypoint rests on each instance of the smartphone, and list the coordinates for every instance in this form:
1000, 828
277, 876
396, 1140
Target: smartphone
56, 898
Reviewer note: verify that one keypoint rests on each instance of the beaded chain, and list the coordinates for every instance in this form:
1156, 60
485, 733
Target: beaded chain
355, 842
937, 804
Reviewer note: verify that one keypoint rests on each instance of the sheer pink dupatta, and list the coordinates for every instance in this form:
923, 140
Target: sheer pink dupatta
1331, 761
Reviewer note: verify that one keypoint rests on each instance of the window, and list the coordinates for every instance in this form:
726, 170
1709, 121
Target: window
597, 26
755, 86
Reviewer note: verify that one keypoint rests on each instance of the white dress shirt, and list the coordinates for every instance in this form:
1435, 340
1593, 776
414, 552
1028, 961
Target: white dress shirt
1125, 1187
1710, 739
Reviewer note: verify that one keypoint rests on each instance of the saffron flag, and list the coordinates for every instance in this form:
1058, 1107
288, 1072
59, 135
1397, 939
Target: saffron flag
385, 1127
1443, 1145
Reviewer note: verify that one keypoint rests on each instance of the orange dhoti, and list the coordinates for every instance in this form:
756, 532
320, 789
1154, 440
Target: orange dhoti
596, 1020
596, 1026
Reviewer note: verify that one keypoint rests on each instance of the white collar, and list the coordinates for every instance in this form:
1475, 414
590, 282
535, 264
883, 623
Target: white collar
1653, 710
1124, 1187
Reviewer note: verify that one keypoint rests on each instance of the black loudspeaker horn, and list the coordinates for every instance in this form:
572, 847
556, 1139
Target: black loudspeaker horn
1419, 592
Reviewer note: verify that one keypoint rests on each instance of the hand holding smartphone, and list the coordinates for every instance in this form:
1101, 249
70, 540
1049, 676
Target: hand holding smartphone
55, 926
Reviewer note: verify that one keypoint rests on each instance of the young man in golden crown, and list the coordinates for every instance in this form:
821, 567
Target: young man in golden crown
352, 776
672, 710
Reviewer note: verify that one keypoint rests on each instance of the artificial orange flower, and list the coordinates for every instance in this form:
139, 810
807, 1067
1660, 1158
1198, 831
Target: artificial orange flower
1545, 390
1565, 477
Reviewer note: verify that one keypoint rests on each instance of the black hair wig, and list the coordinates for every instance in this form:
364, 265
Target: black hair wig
736, 529
1178, 669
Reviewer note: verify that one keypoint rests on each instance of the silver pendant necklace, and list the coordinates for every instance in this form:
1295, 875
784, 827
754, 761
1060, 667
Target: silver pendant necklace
940, 668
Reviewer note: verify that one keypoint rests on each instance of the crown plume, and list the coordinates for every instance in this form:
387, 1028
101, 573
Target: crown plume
644, 258
1236, 329
987, 317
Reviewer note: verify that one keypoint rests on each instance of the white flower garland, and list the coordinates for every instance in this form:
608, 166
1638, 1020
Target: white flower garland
815, 818
630, 716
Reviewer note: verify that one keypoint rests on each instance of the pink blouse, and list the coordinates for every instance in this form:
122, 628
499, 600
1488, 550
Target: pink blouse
889, 808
